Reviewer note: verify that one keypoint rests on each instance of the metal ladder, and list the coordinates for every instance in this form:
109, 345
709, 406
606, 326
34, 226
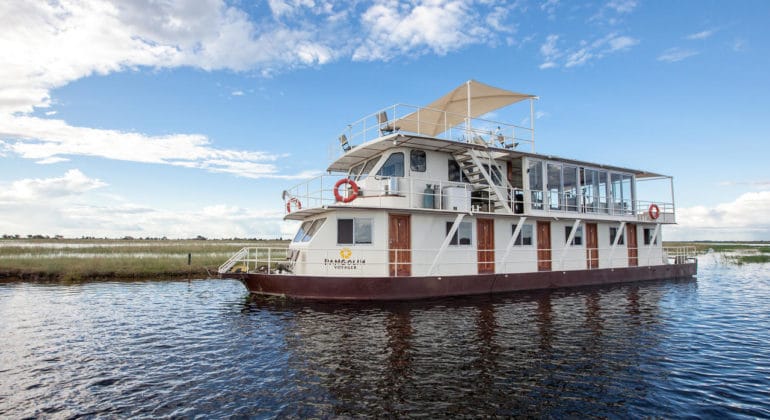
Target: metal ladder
472, 163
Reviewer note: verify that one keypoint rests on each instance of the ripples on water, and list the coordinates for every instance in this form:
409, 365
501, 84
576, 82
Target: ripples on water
672, 348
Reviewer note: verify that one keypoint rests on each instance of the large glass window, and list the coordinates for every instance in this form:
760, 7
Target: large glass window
495, 174
570, 179
577, 239
535, 172
627, 196
616, 183
417, 160
394, 166
354, 231
463, 234
525, 235
554, 188
455, 174
591, 190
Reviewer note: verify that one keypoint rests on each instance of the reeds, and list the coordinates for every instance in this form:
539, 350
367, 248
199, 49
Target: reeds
73, 260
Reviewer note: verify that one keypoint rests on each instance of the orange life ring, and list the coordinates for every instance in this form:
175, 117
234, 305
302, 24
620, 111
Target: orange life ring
654, 211
351, 197
296, 202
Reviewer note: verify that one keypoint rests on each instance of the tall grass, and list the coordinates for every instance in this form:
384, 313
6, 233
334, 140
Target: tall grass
74, 260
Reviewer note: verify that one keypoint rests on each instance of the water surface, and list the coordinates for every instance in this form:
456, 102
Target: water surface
662, 349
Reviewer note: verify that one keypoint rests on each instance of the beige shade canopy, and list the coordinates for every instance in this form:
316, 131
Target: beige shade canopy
455, 107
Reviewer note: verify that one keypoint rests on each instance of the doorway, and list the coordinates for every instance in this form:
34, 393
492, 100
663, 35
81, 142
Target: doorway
400, 245
543, 246
633, 250
592, 246
485, 229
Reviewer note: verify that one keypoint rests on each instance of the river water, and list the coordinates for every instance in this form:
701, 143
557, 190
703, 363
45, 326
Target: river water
205, 348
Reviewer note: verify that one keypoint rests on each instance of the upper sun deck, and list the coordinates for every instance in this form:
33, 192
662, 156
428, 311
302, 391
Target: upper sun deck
461, 162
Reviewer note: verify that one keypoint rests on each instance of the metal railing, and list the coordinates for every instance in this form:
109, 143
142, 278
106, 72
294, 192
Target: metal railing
381, 261
411, 119
419, 193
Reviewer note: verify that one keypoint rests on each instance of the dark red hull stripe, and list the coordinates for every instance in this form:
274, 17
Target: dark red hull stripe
406, 288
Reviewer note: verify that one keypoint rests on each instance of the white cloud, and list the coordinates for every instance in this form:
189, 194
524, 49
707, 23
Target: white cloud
673, 55
73, 182
51, 141
436, 26
237, 93
585, 51
701, 35
742, 219
622, 6
66, 205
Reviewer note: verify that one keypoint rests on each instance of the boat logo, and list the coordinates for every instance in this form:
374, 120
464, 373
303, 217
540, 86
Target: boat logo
345, 262
345, 253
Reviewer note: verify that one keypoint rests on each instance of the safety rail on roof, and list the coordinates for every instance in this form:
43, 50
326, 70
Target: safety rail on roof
428, 122
414, 193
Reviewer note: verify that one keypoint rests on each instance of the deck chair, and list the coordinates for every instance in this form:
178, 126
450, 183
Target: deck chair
385, 126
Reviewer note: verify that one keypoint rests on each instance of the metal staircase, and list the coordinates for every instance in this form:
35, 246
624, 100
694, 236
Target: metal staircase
477, 167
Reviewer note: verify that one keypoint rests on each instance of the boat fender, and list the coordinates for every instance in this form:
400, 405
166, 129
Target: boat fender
297, 204
351, 197
654, 211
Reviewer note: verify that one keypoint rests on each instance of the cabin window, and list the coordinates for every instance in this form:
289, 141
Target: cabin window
535, 171
613, 234
455, 174
367, 168
578, 239
307, 230
417, 160
648, 237
394, 166
354, 231
525, 235
463, 234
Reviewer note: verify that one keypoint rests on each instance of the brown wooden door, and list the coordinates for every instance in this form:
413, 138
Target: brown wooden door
485, 229
400, 245
544, 246
633, 250
592, 246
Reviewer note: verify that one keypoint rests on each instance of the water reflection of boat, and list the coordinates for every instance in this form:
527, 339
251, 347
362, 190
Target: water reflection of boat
537, 352
437, 201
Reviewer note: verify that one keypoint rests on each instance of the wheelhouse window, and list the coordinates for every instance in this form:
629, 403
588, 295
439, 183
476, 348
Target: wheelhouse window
577, 239
355, 231
648, 239
455, 174
362, 170
463, 234
570, 187
525, 235
308, 230
417, 160
613, 233
394, 166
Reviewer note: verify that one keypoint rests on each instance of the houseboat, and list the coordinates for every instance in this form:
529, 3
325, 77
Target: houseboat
442, 200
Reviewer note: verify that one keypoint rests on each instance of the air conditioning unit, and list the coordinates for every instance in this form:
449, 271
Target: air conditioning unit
456, 198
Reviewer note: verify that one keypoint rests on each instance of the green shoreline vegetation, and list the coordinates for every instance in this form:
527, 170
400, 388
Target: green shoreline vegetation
73, 260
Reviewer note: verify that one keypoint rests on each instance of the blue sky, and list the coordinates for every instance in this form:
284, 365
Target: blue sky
180, 118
